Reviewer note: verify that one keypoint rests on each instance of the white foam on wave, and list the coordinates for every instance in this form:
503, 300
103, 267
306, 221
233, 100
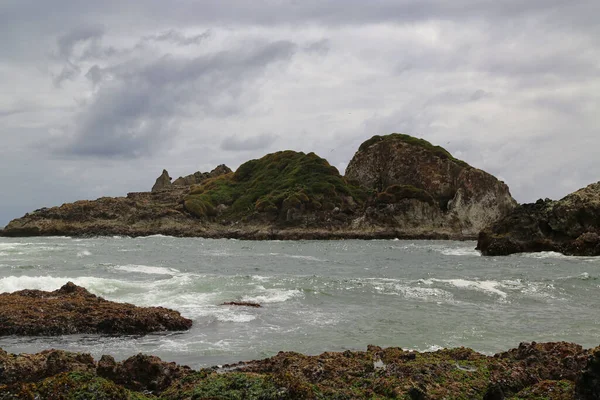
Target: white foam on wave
158, 235
415, 292
297, 256
84, 253
146, 269
460, 251
272, 295
543, 255
489, 287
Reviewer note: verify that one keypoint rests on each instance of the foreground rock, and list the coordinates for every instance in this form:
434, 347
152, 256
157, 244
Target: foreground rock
550, 371
570, 226
396, 186
72, 309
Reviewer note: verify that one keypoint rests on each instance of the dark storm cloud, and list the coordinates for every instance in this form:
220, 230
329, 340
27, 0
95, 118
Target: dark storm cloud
136, 112
235, 143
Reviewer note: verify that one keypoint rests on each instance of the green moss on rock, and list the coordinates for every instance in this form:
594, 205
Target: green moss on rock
437, 150
273, 184
71, 386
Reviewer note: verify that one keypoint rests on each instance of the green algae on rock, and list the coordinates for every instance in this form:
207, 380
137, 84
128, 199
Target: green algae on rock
570, 226
550, 371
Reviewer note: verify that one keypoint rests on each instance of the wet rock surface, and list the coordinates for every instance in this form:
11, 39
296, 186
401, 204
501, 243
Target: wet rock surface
550, 371
72, 309
570, 226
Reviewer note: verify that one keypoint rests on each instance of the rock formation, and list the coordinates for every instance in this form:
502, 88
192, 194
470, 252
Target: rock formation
570, 226
422, 185
162, 182
199, 177
553, 371
396, 186
72, 309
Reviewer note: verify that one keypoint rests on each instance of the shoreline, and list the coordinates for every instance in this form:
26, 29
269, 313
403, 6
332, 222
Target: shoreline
251, 234
553, 370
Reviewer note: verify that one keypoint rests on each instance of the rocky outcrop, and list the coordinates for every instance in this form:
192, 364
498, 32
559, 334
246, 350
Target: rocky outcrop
72, 309
162, 182
396, 186
422, 185
570, 226
199, 177
554, 371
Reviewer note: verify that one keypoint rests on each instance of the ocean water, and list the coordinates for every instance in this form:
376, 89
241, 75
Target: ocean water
316, 295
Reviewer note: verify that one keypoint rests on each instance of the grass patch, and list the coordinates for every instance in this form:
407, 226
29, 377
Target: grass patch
274, 184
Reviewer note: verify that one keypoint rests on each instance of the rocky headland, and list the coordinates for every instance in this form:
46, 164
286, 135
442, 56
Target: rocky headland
396, 186
570, 226
72, 309
550, 371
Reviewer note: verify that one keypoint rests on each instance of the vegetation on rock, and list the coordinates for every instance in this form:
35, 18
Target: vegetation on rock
275, 184
533, 371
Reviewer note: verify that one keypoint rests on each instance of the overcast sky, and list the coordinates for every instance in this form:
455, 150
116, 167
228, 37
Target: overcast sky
96, 98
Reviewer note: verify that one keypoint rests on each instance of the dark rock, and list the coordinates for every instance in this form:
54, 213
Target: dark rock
425, 186
241, 303
570, 226
162, 182
72, 309
142, 372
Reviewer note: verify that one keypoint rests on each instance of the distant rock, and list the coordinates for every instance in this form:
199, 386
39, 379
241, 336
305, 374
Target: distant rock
396, 186
199, 177
570, 226
242, 304
72, 309
162, 182
423, 186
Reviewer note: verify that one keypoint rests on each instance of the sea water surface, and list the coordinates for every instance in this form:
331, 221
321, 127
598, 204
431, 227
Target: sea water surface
316, 295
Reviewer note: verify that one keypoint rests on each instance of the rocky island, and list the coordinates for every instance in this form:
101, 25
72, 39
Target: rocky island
570, 226
395, 186
551, 371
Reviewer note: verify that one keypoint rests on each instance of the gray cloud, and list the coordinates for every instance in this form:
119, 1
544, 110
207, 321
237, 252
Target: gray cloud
509, 86
235, 143
136, 112
175, 37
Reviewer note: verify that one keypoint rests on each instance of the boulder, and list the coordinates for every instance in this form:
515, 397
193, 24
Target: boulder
570, 226
420, 184
72, 309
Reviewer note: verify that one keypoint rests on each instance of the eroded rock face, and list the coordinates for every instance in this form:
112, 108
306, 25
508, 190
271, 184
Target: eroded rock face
570, 226
444, 192
162, 182
72, 309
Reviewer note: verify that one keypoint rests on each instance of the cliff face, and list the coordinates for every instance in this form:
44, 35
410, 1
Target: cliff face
423, 185
570, 226
396, 186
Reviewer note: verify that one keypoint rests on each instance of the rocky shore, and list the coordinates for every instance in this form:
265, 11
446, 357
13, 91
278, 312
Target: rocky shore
552, 371
570, 226
72, 309
396, 186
